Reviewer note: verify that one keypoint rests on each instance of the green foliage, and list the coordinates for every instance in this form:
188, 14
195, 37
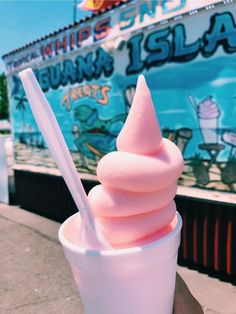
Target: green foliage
196, 160
4, 112
200, 171
232, 160
228, 173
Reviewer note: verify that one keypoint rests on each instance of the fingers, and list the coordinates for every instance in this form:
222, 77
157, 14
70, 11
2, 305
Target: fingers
185, 302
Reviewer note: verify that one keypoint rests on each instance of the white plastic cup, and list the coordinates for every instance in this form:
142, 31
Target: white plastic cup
209, 130
138, 280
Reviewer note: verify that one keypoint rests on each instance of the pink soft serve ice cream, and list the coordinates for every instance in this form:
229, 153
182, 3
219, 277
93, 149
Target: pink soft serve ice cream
208, 109
134, 203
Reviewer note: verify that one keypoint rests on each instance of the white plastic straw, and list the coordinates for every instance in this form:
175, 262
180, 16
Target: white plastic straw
50, 129
192, 101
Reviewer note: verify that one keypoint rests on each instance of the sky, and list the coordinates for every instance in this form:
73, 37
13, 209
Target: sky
24, 21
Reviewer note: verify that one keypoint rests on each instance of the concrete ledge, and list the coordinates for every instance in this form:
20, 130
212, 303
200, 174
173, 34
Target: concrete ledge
44, 226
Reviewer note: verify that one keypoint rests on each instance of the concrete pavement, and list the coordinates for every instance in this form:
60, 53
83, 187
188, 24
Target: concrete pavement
35, 278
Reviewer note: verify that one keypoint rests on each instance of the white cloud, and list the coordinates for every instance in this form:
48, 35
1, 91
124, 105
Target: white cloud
223, 81
172, 111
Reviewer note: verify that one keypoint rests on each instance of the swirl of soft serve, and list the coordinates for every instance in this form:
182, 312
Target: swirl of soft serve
134, 201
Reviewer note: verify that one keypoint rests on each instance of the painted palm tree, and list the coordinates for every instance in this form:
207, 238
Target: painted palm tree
21, 100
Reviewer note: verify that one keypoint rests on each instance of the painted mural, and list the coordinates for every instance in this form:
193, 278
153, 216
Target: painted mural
190, 66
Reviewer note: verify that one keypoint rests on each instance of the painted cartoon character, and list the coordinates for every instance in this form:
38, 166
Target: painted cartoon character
94, 136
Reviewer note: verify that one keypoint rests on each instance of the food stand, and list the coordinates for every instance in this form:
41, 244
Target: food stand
88, 71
